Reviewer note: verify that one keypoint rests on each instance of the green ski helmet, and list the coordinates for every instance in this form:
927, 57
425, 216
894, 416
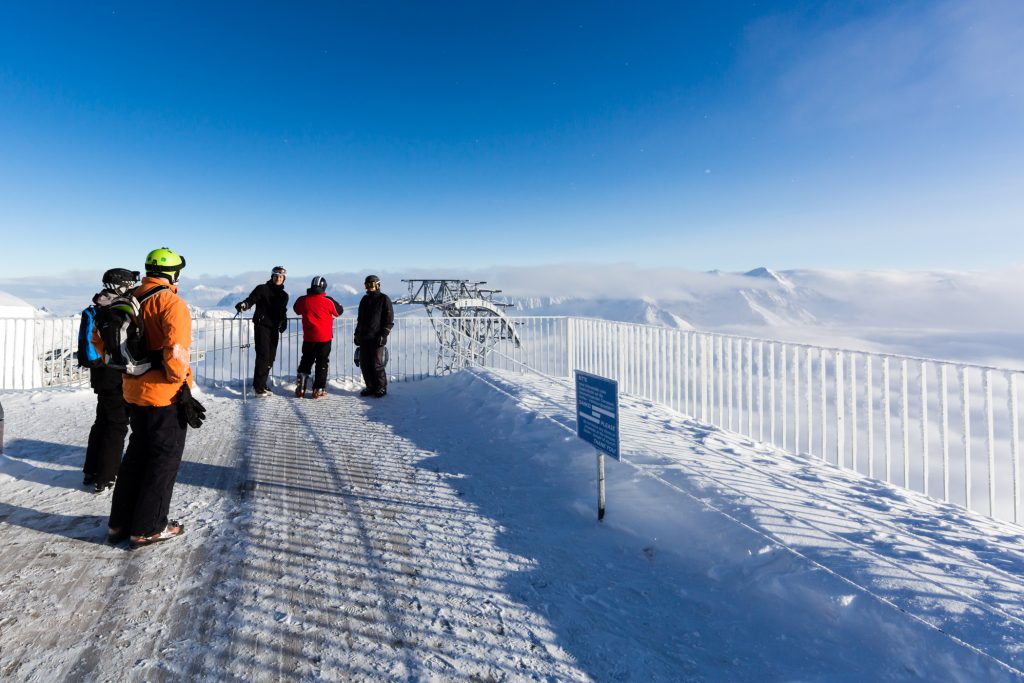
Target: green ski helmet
165, 262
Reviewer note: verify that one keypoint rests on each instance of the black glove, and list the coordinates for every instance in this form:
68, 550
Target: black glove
383, 340
283, 327
241, 306
190, 411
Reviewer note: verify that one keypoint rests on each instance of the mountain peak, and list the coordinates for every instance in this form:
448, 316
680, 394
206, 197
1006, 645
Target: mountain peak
769, 274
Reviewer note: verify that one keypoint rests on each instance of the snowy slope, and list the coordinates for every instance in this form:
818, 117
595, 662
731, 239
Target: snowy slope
449, 532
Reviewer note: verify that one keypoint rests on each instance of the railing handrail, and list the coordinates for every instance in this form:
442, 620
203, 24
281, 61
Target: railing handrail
711, 333
803, 345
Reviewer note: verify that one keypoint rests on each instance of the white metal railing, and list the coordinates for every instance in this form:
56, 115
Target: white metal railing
37, 353
949, 430
225, 347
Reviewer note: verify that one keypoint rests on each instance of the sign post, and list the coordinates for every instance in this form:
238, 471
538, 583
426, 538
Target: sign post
597, 422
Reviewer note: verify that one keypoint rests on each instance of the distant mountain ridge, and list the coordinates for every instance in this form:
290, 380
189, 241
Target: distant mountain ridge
771, 299
969, 315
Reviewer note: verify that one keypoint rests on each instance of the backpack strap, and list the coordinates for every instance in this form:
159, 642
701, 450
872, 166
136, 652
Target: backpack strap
149, 293
156, 358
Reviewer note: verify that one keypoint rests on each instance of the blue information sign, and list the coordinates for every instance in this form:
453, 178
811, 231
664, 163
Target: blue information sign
597, 412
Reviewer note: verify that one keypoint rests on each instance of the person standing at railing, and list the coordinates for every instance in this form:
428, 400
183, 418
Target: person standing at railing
270, 320
373, 325
318, 311
108, 432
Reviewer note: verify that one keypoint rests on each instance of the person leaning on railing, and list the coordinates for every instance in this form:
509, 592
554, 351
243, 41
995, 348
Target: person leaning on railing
270, 320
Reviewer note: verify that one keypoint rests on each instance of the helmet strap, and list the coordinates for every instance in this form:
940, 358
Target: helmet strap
170, 276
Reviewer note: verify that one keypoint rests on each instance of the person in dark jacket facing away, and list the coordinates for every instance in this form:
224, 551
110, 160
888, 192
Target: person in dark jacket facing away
318, 312
270, 320
106, 438
373, 325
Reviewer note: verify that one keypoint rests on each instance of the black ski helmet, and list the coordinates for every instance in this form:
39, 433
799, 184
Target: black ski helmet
118, 278
371, 280
318, 285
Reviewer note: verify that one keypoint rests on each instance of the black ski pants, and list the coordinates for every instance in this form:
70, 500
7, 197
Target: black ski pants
266, 350
142, 495
371, 363
319, 353
106, 438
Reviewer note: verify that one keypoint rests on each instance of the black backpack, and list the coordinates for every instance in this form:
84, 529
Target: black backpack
124, 339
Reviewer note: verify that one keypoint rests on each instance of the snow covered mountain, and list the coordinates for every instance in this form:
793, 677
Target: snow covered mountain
975, 316
760, 297
967, 316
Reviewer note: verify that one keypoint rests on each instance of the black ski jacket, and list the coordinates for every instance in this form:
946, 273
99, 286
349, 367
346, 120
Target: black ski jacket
271, 302
375, 320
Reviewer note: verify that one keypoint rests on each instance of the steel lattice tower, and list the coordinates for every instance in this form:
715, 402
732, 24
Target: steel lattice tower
468, 322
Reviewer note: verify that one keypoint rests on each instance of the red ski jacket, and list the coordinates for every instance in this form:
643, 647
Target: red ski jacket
318, 312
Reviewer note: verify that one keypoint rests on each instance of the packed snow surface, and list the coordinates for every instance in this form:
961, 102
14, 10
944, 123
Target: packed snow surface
449, 532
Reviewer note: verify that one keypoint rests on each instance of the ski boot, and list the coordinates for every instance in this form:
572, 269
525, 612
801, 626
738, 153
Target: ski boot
300, 385
319, 393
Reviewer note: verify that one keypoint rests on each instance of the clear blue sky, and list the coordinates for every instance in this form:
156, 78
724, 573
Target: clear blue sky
383, 135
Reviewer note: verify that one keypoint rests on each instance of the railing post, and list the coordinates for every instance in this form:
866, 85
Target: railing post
1014, 446
853, 411
869, 408
729, 381
720, 376
840, 412
760, 390
924, 425
784, 393
796, 401
824, 405
706, 404
771, 392
904, 417
750, 388
570, 345
944, 429
990, 441
886, 419
965, 402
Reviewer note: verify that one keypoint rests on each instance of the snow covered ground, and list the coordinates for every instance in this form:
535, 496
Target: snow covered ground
449, 532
